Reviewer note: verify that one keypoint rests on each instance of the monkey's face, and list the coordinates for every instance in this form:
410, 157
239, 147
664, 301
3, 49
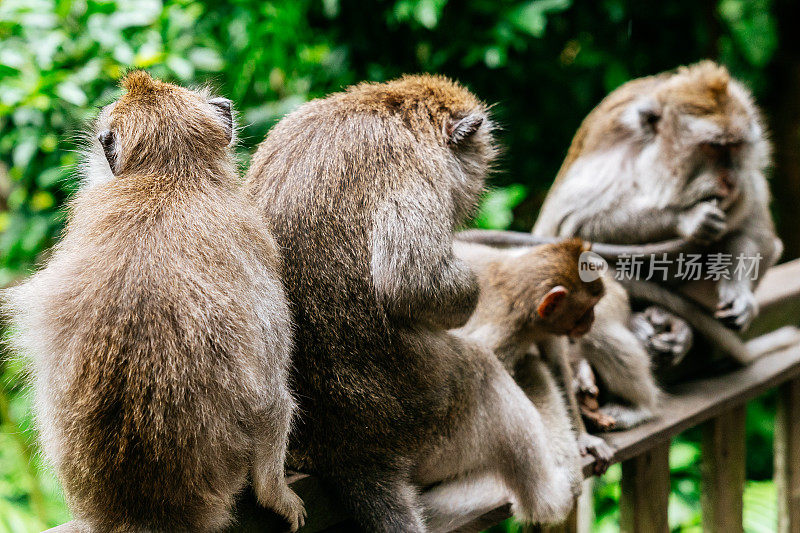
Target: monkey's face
157, 127
707, 132
570, 312
713, 150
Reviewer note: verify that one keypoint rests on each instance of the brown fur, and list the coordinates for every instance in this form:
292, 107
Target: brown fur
699, 90
525, 282
514, 283
681, 154
363, 190
159, 329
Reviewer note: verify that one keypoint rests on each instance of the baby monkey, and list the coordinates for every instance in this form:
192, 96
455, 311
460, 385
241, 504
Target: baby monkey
159, 329
535, 297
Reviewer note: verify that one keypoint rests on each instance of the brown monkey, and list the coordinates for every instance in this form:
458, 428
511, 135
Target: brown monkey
535, 297
159, 328
362, 190
677, 155
609, 345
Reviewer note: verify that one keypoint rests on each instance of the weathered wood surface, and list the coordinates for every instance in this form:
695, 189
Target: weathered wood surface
645, 492
723, 462
787, 457
778, 298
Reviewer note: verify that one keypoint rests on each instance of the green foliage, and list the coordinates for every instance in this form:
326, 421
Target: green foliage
545, 63
497, 209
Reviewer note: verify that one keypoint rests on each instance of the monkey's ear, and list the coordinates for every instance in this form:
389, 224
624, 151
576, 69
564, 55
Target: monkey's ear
109, 143
551, 301
649, 119
223, 106
649, 114
642, 115
458, 130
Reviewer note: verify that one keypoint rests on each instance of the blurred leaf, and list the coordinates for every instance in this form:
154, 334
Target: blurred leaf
531, 17
760, 507
496, 211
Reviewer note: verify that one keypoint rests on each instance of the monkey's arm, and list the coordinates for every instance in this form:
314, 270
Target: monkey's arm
634, 222
415, 273
753, 249
554, 349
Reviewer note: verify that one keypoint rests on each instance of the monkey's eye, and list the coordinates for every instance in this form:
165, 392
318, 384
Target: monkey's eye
735, 146
712, 149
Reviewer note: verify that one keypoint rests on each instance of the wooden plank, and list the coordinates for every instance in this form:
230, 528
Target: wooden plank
570, 525
695, 402
777, 297
645, 492
787, 457
487, 520
723, 466
585, 507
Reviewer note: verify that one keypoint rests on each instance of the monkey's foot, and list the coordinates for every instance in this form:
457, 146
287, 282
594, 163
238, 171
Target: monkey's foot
737, 311
286, 503
585, 383
597, 448
666, 337
597, 419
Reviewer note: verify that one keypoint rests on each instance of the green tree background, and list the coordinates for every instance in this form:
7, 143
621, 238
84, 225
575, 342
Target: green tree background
544, 63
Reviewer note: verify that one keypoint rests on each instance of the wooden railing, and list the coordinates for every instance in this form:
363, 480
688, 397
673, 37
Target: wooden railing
716, 403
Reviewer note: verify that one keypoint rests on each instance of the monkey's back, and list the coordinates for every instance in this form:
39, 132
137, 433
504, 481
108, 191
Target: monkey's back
367, 390
156, 329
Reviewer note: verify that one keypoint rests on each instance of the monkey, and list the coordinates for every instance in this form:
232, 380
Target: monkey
534, 297
362, 191
159, 328
517, 286
509, 284
678, 157
680, 154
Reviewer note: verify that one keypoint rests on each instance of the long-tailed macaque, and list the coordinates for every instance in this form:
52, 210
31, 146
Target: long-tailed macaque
159, 329
517, 287
362, 191
676, 155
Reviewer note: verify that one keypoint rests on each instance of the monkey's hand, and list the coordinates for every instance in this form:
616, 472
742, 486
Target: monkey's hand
736, 307
285, 502
597, 448
703, 223
666, 337
584, 383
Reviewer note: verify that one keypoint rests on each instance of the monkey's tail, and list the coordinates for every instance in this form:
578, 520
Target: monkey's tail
610, 252
721, 337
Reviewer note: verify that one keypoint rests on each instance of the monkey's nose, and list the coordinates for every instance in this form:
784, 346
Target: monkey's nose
727, 183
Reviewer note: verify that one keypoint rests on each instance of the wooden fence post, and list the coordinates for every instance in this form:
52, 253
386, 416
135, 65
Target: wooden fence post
645, 492
787, 457
723, 463
570, 525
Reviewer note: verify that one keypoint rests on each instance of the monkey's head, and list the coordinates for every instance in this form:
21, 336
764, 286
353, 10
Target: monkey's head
159, 128
543, 288
705, 127
693, 134
444, 123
